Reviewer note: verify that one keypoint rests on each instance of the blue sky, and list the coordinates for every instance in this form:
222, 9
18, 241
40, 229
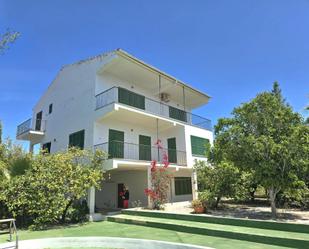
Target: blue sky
228, 49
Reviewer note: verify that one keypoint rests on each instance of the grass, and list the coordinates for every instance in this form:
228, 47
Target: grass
112, 229
220, 227
272, 225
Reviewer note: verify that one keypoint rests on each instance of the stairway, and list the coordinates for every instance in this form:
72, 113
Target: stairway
265, 232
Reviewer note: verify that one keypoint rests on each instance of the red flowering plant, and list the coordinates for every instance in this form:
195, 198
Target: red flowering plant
160, 179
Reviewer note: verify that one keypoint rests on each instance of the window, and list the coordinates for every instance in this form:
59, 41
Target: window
130, 98
198, 146
115, 144
172, 152
50, 109
177, 114
183, 186
38, 121
46, 147
77, 139
144, 148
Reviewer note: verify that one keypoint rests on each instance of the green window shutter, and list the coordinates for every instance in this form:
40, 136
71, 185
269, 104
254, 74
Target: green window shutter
177, 114
172, 151
198, 145
144, 148
183, 186
130, 98
115, 144
77, 139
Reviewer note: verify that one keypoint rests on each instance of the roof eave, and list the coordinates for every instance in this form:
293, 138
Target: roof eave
127, 55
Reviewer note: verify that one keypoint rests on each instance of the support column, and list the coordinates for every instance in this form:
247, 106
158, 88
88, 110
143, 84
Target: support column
31, 146
194, 185
184, 98
91, 200
149, 185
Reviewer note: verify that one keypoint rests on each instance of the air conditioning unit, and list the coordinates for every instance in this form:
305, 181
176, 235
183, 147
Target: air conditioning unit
165, 97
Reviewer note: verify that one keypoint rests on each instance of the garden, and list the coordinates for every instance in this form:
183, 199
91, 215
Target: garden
259, 159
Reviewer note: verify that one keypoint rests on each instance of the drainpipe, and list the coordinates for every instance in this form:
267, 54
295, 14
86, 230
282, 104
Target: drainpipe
31, 146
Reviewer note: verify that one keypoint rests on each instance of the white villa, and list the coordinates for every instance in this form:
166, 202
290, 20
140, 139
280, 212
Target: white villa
120, 104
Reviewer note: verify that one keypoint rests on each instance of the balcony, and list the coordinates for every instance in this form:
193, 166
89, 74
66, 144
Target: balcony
124, 96
31, 131
139, 152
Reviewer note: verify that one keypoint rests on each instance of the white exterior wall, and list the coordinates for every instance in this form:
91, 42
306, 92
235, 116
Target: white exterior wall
195, 131
136, 181
72, 94
132, 132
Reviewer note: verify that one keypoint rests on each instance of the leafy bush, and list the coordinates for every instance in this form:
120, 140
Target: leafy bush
208, 199
79, 211
45, 194
220, 180
297, 197
196, 204
247, 187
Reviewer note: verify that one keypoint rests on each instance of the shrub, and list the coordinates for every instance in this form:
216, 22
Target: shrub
45, 194
160, 181
208, 199
196, 204
79, 211
220, 180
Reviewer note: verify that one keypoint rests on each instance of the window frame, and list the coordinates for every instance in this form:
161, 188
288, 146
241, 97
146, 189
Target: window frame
182, 190
81, 144
193, 146
47, 146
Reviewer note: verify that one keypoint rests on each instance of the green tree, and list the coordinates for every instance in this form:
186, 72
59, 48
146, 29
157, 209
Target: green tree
220, 180
0, 132
47, 191
13, 160
267, 137
7, 38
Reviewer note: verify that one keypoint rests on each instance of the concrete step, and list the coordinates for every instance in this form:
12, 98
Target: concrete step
265, 236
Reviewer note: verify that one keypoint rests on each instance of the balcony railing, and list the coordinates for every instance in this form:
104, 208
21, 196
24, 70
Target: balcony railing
28, 125
121, 95
131, 151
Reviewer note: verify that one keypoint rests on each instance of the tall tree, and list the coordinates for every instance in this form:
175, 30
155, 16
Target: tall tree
267, 137
0, 132
276, 91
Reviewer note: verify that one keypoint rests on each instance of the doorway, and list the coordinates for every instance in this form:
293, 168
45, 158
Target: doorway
120, 200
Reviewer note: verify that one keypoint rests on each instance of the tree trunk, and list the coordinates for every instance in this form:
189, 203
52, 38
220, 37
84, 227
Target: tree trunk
64, 214
217, 202
252, 193
272, 198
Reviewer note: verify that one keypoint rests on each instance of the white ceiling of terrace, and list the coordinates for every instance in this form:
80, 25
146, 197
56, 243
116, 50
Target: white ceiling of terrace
148, 80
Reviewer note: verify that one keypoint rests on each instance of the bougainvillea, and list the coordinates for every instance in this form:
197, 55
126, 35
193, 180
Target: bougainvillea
160, 180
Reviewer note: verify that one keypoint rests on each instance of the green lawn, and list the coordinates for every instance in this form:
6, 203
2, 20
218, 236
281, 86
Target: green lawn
112, 229
220, 227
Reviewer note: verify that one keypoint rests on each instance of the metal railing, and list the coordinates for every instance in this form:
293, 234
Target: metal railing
11, 230
131, 151
154, 107
28, 125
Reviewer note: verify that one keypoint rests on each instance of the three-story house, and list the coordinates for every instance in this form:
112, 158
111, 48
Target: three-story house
120, 104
